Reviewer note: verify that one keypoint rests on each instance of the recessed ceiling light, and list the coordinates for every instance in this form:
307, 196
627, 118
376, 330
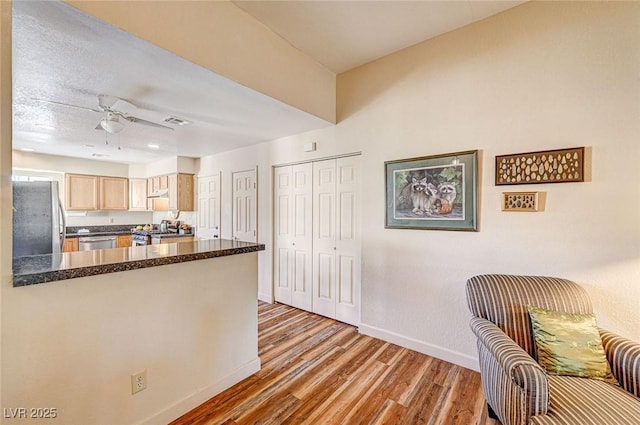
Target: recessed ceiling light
153, 146
27, 149
46, 126
99, 155
90, 146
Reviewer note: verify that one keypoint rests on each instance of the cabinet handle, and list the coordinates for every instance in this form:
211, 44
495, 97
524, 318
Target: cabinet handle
334, 248
294, 244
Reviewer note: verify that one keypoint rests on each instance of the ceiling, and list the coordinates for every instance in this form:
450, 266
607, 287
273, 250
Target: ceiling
61, 54
342, 35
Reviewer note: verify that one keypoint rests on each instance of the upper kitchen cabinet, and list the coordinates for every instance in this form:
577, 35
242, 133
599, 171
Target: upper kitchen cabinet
178, 194
138, 195
154, 185
91, 193
81, 192
114, 193
181, 192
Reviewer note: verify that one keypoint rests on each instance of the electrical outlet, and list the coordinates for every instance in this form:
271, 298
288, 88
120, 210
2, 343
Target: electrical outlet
138, 382
111, 220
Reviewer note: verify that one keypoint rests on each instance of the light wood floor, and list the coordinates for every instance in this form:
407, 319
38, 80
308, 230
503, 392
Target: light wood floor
318, 371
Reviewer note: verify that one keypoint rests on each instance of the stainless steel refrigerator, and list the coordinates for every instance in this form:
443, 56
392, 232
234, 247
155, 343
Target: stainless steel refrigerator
38, 219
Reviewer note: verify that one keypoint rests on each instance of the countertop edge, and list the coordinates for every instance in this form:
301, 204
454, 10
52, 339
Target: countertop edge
36, 278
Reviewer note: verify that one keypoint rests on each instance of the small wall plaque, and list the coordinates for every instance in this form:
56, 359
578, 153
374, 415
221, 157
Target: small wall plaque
556, 166
520, 201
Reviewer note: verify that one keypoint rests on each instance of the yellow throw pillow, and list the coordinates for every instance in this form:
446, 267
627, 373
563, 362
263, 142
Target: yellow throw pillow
569, 344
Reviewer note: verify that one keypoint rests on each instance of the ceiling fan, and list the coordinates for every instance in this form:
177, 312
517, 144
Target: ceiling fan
115, 108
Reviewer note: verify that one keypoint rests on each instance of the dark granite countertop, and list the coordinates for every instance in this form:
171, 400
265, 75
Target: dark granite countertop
111, 233
34, 269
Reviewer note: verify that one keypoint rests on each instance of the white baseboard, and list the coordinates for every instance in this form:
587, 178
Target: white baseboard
200, 396
423, 347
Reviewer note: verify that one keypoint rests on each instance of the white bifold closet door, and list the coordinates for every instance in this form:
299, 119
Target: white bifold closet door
293, 237
317, 237
336, 239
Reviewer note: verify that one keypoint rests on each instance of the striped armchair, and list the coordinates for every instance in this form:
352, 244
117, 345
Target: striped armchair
517, 389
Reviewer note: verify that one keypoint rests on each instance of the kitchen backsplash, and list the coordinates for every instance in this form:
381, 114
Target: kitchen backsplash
105, 228
124, 218
100, 218
184, 217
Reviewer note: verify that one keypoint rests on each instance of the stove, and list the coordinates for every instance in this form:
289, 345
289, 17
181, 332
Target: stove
143, 237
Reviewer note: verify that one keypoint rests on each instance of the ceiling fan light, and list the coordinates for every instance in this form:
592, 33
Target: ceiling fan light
111, 126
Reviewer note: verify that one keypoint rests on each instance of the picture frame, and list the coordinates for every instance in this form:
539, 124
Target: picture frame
552, 166
438, 192
520, 201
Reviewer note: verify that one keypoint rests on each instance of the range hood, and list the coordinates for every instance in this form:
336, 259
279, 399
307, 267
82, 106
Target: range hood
160, 193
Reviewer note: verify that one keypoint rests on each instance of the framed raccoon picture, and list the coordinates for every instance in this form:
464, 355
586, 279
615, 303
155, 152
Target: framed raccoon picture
437, 192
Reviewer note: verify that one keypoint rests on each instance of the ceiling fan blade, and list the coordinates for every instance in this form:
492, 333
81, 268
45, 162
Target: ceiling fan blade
67, 104
115, 104
137, 120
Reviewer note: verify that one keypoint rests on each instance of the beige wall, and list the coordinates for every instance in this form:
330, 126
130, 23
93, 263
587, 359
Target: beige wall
5, 161
223, 38
73, 345
540, 76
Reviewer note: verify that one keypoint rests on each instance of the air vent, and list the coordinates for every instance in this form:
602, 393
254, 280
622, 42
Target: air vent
175, 120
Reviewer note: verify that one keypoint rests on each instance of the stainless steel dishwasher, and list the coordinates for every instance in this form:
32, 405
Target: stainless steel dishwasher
88, 243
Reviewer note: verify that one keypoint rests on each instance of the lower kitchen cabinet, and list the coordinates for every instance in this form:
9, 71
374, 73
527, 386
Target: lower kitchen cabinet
70, 245
155, 241
123, 241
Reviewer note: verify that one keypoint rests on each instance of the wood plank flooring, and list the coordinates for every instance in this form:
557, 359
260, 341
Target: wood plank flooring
322, 372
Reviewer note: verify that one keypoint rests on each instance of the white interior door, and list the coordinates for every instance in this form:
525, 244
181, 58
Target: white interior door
324, 238
282, 178
245, 206
293, 235
347, 234
208, 207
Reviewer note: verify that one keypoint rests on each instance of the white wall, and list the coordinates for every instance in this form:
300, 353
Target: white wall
243, 160
540, 76
65, 164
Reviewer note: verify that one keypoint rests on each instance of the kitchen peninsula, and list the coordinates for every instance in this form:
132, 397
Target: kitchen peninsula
184, 313
35, 269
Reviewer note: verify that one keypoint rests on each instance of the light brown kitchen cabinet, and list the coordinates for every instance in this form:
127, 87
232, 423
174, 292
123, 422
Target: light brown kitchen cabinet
180, 195
114, 193
81, 192
85, 192
181, 192
123, 241
153, 185
138, 195
71, 245
177, 239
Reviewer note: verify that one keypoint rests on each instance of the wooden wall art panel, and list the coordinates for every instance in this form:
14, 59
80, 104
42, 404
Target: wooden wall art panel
520, 201
555, 166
